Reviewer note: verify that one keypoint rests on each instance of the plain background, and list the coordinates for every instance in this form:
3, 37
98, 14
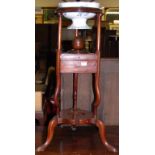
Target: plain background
137, 77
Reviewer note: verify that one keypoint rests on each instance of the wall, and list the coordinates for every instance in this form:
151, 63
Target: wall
54, 3
108, 110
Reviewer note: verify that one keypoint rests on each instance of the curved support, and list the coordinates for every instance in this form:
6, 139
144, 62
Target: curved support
97, 94
101, 127
58, 76
97, 74
97, 90
52, 124
56, 94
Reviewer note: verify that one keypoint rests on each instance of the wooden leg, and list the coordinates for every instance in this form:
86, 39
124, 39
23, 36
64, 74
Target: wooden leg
75, 87
101, 127
52, 124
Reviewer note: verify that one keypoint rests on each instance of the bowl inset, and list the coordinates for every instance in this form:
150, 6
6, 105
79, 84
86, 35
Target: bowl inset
79, 19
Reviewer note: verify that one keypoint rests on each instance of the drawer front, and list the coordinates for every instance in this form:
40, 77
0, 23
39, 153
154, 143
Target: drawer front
90, 56
78, 66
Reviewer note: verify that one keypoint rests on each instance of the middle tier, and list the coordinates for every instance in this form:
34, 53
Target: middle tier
78, 63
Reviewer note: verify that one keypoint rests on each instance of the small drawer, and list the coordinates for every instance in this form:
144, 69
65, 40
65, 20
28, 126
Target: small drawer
83, 66
79, 56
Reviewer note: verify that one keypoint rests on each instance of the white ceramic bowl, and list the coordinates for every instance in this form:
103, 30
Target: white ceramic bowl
79, 18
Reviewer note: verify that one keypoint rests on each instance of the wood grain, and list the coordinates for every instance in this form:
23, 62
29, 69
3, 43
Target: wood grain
78, 63
83, 141
77, 117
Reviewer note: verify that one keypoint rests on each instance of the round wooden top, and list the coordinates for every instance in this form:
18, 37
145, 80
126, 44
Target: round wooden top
79, 9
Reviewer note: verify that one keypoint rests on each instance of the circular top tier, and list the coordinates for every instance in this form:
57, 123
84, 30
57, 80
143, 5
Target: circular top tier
93, 7
79, 13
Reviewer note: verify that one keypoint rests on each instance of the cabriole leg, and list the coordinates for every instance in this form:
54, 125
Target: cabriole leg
101, 127
52, 124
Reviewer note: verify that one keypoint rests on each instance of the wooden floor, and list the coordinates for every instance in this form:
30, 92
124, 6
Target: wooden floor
83, 141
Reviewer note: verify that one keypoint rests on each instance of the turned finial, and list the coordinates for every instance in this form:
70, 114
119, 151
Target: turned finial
78, 43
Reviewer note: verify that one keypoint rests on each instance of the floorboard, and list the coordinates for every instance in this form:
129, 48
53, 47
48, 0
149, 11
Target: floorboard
83, 141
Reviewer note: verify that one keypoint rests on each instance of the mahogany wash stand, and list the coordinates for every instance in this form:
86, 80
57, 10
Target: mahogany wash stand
77, 62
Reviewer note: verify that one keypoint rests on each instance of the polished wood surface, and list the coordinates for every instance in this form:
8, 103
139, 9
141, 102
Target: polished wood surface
78, 56
58, 75
78, 43
83, 141
108, 110
77, 117
78, 63
75, 79
75, 88
97, 75
79, 9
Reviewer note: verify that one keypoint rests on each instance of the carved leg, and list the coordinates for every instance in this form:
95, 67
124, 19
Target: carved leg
101, 127
52, 124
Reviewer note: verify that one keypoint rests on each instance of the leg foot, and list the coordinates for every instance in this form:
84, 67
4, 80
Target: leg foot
101, 127
73, 127
52, 124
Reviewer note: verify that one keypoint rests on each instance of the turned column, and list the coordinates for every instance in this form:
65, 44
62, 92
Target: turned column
75, 81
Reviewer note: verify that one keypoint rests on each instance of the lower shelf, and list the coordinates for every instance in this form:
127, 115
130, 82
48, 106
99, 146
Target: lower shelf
78, 117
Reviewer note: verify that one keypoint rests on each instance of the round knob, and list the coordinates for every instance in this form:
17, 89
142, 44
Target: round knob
78, 43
